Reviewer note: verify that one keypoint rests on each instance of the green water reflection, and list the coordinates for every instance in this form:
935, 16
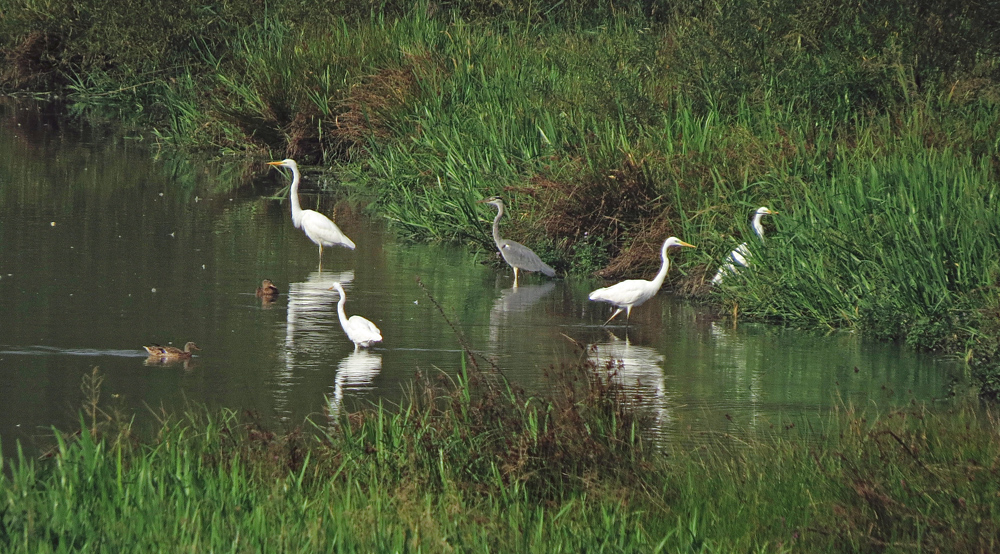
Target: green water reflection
104, 248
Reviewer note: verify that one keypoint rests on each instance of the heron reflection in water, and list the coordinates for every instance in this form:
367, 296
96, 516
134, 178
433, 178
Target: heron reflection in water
515, 301
355, 373
312, 310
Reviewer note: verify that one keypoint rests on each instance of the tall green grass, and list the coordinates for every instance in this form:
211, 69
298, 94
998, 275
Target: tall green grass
474, 465
896, 237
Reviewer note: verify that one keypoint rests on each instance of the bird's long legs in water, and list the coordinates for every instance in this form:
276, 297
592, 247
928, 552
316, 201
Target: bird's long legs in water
618, 311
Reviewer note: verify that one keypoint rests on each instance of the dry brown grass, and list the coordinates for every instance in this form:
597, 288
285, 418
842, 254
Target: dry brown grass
623, 206
31, 62
365, 112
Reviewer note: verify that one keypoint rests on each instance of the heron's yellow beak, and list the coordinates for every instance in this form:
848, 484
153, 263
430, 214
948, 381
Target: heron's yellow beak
688, 245
774, 213
274, 163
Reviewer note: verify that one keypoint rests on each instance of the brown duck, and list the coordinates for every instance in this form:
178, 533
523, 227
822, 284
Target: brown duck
170, 352
267, 289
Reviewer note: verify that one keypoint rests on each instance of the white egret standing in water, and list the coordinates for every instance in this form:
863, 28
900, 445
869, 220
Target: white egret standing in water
516, 254
740, 254
361, 331
316, 226
633, 292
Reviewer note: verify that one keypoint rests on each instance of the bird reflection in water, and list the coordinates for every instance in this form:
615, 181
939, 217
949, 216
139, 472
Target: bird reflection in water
312, 311
639, 370
731, 357
512, 301
356, 373
156, 361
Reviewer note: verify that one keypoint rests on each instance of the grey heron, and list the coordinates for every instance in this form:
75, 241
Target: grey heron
519, 256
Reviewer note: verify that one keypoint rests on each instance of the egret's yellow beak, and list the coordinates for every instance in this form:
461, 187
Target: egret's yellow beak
774, 213
273, 163
688, 245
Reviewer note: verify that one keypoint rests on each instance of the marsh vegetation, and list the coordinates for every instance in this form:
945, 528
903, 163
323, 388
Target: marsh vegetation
872, 130
473, 464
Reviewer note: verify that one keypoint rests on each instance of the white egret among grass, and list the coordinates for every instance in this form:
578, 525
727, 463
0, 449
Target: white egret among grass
633, 292
363, 333
738, 257
519, 256
316, 226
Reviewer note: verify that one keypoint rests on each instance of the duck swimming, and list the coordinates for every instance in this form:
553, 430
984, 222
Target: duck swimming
267, 289
171, 352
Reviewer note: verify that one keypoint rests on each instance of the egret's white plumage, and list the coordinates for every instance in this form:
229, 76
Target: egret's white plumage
516, 254
361, 331
739, 256
633, 292
316, 226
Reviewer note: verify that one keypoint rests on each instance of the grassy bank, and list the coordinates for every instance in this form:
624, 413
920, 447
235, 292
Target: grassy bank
472, 465
872, 129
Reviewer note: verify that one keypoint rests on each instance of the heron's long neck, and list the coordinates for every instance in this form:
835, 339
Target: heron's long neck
757, 227
296, 208
496, 225
340, 309
658, 280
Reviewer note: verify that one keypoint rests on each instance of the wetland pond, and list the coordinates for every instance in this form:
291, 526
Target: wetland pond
104, 248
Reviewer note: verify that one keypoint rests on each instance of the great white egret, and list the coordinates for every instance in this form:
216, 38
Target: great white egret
738, 257
633, 292
171, 352
267, 289
519, 256
361, 331
316, 226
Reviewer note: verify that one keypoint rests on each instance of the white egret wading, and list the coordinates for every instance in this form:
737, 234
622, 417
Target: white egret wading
633, 292
519, 256
316, 226
363, 333
738, 257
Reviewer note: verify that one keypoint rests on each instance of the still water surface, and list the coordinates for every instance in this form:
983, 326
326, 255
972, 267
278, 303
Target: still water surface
104, 248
